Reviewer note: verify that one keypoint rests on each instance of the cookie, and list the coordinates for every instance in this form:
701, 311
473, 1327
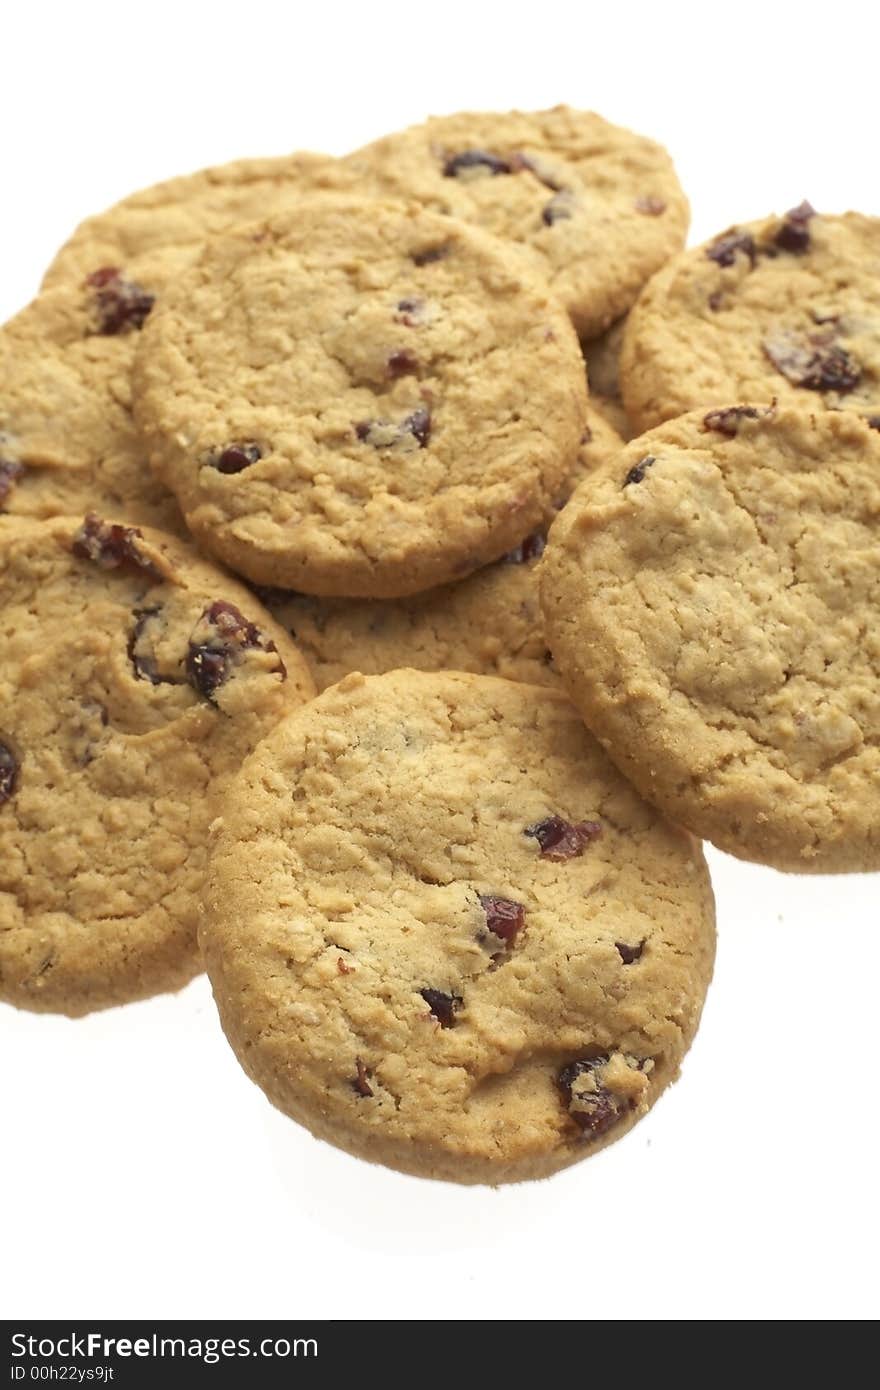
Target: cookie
68, 442
157, 232
785, 309
134, 679
360, 399
598, 208
603, 372
444, 934
490, 623
711, 605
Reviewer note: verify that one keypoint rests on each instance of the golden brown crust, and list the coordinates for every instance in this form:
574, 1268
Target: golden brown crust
352, 929
710, 602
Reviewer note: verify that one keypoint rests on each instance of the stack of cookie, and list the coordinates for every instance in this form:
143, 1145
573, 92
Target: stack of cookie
454, 907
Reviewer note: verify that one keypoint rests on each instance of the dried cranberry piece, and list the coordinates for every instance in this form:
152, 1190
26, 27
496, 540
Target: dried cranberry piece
559, 208
873, 422
794, 234
727, 421
637, 473
475, 159
111, 546
121, 304
419, 424
224, 633
559, 839
10, 472
651, 207
629, 954
361, 1082
587, 436
409, 311
725, 248
402, 363
429, 254
592, 1107
716, 299
9, 770
504, 916
444, 1007
236, 457
813, 362
529, 549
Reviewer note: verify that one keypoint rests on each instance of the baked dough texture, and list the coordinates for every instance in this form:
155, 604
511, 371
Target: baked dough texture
597, 208
710, 600
360, 399
444, 933
135, 678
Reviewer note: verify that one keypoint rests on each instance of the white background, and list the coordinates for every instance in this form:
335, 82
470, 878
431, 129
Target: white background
142, 1174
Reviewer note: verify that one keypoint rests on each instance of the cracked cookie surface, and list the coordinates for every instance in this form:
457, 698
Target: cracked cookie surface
787, 308
68, 442
446, 935
711, 606
560, 183
489, 623
134, 679
154, 234
361, 399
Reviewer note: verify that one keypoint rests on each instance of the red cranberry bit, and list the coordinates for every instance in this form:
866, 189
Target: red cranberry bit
637, 473
794, 234
361, 1082
504, 916
716, 299
402, 363
112, 547
559, 839
9, 770
444, 1007
429, 254
419, 425
529, 549
650, 207
458, 164
629, 954
121, 304
724, 249
587, 436
728, 421
592, 1107
409, 311
815, 362
873, 422
209, 662
236, 457
10, 472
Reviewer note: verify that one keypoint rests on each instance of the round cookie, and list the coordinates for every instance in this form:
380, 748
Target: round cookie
68, 442
785, 309
598, 207
444, 934
134, 680
360, 399
603, 373
711, 605
154, 234
489, 623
